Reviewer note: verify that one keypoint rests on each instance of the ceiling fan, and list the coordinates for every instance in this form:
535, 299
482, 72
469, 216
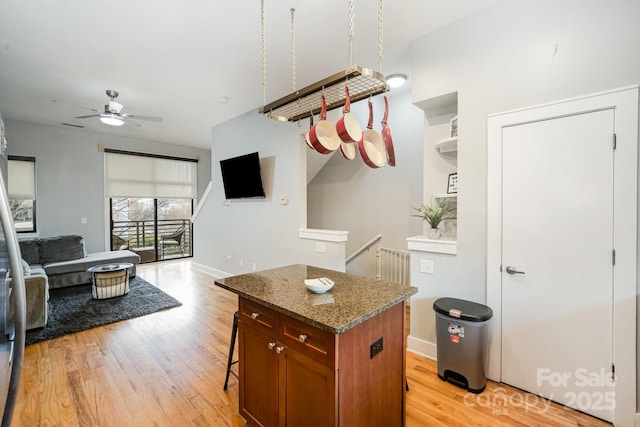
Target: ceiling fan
112, 116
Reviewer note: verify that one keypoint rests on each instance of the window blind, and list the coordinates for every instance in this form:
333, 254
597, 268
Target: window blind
152, 177
21, 177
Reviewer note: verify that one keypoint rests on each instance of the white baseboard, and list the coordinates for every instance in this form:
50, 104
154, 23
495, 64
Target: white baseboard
637, 422
218, 274
421, 347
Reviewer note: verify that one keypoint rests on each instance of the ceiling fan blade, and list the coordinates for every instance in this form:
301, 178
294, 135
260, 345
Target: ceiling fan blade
86, 117
129, 122
150, 118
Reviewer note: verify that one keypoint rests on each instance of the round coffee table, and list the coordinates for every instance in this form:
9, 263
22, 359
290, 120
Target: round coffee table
110, 280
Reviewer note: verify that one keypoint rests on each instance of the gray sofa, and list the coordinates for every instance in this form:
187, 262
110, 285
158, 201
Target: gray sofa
65, 260
56, 262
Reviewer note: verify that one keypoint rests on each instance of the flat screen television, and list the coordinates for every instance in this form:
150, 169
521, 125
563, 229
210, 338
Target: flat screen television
241, 177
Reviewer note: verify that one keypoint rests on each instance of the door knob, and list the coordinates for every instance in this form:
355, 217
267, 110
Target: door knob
512, 270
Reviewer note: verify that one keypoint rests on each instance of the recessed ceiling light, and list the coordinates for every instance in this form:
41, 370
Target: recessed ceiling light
396, 80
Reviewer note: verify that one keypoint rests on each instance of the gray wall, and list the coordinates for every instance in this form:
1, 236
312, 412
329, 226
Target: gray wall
349, 195
240, 235
516, 54
345, 195
70, 175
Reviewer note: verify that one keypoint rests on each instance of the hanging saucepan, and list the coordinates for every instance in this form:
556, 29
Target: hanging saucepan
306, 135
348, 150
371, 145
348, 129
386, 135
323, 135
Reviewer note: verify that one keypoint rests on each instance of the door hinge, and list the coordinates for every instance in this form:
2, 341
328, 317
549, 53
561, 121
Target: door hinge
615, 141
613, 371
613, 257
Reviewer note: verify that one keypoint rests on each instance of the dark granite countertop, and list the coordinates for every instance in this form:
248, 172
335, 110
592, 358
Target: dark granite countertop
352, 300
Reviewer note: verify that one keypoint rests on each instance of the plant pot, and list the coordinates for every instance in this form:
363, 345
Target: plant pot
433, 233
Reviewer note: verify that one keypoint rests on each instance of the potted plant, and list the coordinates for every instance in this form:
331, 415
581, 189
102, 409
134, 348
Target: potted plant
435, 215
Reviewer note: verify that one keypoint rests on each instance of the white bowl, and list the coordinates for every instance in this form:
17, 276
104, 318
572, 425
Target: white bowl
319, 285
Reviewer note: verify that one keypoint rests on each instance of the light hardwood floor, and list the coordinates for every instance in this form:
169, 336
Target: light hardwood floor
167, 369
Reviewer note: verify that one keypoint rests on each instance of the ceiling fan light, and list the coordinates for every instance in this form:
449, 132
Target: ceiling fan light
396, 80
111, 119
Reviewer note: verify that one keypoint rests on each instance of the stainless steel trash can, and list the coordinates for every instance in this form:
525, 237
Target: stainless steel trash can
461, 333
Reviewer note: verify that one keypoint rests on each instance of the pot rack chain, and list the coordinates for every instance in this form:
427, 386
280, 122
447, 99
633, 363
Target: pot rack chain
380, 34
264, 55
293, 50
363, 82
351, 33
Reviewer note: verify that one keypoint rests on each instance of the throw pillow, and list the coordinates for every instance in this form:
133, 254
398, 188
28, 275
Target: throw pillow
61, 248
30, 251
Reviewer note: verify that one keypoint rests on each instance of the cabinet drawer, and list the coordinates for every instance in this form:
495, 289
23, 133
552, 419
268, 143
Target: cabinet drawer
258, 316
308, 340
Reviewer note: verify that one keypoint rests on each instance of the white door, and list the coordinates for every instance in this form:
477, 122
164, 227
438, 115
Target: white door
557, 241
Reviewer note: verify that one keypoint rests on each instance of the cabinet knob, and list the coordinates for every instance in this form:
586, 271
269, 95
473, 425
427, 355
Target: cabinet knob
255, 315
271, 345
303, 337
279, 349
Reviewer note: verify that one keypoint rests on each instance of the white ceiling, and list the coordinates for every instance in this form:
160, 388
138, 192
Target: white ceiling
176, 59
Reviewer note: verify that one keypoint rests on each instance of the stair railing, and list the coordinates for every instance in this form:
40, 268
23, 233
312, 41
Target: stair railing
362, 248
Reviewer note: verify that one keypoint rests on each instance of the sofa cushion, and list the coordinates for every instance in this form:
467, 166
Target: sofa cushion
61, 248
96, 258
30, 250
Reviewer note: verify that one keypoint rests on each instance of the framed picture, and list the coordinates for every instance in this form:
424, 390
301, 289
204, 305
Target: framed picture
452, 188
453, 126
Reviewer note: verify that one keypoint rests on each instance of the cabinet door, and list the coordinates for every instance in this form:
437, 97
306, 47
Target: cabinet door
258, 377
308, 393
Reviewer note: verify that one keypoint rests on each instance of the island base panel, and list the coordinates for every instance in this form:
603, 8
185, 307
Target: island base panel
372, 389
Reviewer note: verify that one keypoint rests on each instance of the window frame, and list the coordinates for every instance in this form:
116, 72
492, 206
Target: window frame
30, 159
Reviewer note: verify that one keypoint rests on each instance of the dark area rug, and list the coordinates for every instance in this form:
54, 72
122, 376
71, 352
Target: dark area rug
72, 309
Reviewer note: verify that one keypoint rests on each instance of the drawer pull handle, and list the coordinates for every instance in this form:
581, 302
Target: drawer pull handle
271, 345
255, 315
279, 349
303, 337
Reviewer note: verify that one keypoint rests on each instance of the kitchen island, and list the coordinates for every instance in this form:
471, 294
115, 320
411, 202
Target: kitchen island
332, 359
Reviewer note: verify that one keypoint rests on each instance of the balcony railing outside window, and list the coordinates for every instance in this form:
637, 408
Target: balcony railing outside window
151, 236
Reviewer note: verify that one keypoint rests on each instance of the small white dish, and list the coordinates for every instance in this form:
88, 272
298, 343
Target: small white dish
319, 285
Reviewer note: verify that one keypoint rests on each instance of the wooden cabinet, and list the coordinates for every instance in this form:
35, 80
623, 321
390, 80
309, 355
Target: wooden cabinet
259, 377
286, 370
289, 370
307, 396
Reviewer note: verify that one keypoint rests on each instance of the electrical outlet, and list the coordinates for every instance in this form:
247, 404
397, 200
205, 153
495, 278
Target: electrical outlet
321, 247
426, 266
376, 348
83, 220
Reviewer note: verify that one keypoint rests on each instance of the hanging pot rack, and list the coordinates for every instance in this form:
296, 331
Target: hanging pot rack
362, 82
306, 102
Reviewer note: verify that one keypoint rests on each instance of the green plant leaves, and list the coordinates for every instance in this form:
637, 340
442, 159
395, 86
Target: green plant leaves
435, 215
